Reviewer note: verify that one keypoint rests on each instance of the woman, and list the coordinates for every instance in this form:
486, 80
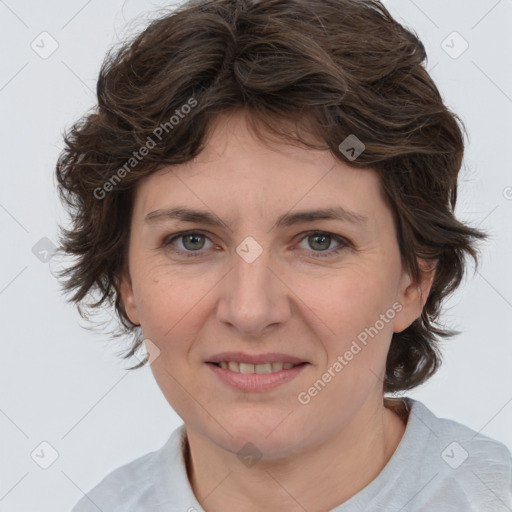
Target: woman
265, 194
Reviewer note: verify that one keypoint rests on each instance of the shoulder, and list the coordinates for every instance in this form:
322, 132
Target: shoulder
136, 485
459, 443
465, 463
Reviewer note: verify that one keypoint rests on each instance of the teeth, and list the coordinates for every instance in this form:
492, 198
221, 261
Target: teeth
248, 368
263, 368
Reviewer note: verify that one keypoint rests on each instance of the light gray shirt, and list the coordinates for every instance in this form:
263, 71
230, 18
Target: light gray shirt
438, 466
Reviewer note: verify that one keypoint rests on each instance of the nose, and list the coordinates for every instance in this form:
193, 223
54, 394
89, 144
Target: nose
254, 299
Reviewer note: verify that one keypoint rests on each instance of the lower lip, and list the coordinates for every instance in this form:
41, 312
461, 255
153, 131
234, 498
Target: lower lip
256, 382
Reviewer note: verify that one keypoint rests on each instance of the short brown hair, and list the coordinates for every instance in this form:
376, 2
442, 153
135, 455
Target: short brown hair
335, 68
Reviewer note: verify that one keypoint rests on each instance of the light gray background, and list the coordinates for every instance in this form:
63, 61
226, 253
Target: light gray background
62, 384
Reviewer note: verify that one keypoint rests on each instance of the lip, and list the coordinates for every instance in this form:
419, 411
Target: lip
256, 382
241, 357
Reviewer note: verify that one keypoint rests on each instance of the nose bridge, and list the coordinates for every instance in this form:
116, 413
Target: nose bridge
252, 296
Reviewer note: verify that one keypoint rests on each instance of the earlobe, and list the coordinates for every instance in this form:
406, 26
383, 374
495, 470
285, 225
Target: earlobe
413, 296
128, 299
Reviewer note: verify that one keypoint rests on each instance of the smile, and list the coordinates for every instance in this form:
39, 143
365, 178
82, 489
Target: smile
248, 368
255, 378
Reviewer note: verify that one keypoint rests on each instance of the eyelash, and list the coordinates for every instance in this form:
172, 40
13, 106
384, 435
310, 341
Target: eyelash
344, 244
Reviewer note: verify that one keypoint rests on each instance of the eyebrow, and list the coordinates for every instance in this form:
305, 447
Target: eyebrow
288, 219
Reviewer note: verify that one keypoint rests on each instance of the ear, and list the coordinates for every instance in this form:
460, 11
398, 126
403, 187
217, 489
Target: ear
413, 296
128, 298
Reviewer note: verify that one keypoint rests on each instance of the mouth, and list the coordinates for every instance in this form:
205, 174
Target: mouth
260, 369
255, 373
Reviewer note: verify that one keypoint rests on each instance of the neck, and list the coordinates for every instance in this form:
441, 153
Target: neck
325, 476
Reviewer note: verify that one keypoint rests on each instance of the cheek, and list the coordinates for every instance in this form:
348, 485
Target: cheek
359, 295
168, 303
359, 313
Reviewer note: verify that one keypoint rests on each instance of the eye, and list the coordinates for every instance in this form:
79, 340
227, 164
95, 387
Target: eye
194, 241
321, 240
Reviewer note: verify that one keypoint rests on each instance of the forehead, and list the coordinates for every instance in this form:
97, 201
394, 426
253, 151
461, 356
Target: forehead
237, 172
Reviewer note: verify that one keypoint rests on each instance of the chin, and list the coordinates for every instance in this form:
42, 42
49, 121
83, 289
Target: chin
269, 434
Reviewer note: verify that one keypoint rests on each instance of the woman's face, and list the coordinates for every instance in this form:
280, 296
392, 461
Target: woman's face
261, 283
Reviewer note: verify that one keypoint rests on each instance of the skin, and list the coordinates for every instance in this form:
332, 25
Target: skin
288, 300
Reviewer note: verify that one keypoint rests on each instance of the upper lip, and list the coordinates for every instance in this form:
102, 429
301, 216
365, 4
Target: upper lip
241, 357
